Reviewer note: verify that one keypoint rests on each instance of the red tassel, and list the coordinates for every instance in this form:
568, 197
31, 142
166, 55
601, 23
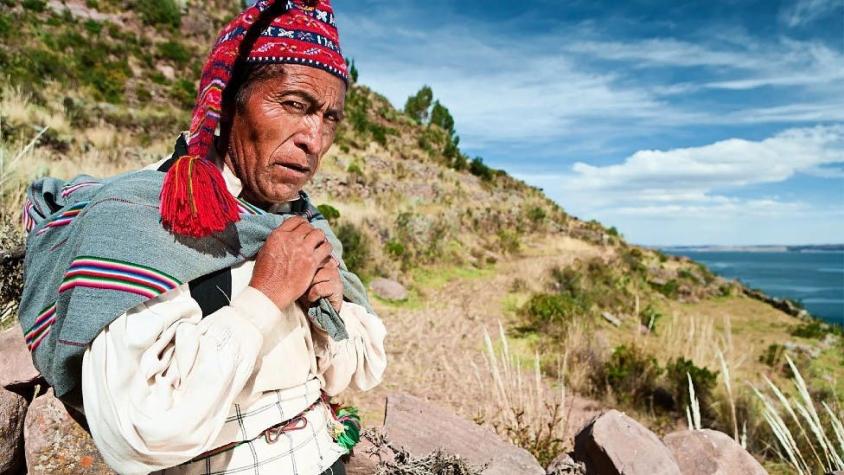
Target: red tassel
194, 199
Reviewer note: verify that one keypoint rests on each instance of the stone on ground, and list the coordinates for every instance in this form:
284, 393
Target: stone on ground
388, 289
365, 458
56, 444
709, 452
12, 414
421, 428
16, 367
563, 464
615, 444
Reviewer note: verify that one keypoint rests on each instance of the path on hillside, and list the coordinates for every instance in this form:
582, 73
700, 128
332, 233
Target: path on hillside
432, 349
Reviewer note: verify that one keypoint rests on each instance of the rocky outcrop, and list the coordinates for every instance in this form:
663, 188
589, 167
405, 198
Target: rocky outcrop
16, 370
388, 289
709, 452
421, 428
56, 444
12, 413
783, 305
615, 444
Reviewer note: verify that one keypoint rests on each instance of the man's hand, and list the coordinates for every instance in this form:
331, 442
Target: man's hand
327, 283
287, 263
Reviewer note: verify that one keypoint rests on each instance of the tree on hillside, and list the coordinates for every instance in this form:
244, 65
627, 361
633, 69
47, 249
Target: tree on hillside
417, 106
442, 117
353, 70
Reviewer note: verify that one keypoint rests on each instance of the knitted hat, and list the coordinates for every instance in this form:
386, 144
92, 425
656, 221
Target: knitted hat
194, 198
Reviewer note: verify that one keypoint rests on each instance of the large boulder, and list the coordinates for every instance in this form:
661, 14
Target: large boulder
421, 428
16, 369
388, 289
56, 444
12, 414
709, 452
615, 444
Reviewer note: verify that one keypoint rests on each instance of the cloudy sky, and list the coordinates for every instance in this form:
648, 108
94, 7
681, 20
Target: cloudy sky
710, 122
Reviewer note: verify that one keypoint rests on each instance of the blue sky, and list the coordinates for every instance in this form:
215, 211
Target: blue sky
717, 122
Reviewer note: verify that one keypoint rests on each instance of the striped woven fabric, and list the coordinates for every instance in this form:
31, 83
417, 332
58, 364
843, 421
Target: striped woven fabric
69, 189
64, 218
244, 207
112, 274
41, 329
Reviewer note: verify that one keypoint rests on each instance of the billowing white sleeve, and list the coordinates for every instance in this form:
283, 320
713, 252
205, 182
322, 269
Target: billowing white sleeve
159, 381
358, 361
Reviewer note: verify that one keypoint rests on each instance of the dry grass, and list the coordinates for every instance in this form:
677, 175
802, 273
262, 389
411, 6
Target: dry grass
526, 410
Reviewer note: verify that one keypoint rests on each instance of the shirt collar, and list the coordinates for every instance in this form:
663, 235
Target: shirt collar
235, 186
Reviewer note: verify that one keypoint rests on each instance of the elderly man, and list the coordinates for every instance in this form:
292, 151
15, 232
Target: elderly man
198, 312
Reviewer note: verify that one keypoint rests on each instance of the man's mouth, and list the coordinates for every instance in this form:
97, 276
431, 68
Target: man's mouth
302, 169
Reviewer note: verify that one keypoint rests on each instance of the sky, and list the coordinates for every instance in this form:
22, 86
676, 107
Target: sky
679, 123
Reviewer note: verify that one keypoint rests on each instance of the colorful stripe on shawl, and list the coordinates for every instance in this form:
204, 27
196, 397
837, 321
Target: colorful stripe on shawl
28, 220
69, 189
244, 207
64, 218
113, 274
41, 329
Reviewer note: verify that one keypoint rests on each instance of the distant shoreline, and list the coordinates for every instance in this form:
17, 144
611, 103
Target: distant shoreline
757, 248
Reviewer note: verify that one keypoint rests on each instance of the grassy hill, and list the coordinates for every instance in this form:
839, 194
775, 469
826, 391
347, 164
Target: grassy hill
104, 86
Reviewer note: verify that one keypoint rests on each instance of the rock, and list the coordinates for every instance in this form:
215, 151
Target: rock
421, 427
615, 444
611, 318
56, 444
365, 458
709, 452
810, 351
166, 70
12, 414
563, 464
16, 369
388, 289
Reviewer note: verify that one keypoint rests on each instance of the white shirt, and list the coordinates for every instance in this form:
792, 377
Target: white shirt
161, 384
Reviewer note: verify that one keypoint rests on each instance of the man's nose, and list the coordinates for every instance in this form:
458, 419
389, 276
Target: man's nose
309, 137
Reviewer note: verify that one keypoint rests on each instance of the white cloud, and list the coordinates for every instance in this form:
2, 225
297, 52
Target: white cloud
802, 12
701, 182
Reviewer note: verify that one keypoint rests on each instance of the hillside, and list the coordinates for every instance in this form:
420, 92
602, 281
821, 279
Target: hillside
94, 87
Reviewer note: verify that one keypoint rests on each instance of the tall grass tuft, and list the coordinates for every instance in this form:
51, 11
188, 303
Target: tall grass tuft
787, 414
526, 411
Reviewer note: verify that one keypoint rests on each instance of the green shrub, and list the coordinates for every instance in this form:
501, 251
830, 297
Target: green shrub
174, 51
159, 12
612, 231
509, 241
354, 169
94, 27
677, 375
479, 169
649, 317
814, 329
184, 92
551, 313
536, 214
632, 375
668, 289
394, 248
330, 213
356, 253
5, 25
34, 5
773, 355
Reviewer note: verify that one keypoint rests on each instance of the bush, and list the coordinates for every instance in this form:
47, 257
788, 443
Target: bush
354, 169
356, 253
536, 214
773, 356
159, 12
394, 248
551, 313
632, 375
184, 92
668, 289
508, 241
174, 51
649, 317
814, 329
479, 169
34, 5
677, 374
330, 213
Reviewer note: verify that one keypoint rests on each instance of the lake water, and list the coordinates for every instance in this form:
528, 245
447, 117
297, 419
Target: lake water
814, 278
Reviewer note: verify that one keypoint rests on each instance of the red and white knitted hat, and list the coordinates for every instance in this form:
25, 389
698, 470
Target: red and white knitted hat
194, 198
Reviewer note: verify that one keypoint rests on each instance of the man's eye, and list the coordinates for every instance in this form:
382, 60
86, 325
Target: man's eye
332, 118
295, 105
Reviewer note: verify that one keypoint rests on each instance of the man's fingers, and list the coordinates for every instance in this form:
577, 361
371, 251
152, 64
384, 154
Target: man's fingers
326, 274
292, 223
314, 238
322, 253
318, 291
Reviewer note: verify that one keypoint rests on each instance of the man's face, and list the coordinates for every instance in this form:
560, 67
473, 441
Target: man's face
282, 130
